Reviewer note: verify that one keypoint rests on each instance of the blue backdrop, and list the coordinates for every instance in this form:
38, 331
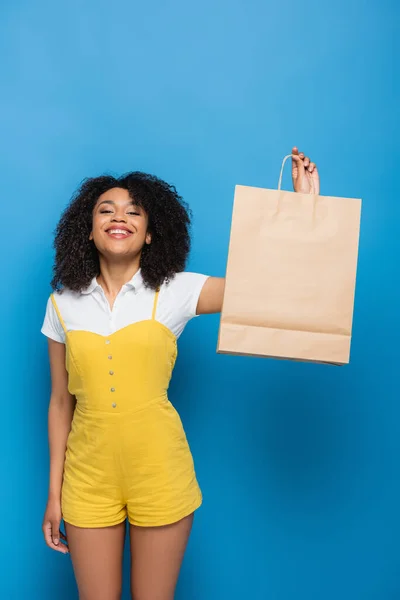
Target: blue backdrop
298, 463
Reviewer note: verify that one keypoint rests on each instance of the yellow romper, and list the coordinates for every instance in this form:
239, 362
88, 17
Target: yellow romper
127, 453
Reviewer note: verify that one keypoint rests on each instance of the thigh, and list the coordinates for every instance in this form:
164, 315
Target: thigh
157, 554
97, 560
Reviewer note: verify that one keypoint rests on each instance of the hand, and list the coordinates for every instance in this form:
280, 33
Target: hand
54, 538
305, 175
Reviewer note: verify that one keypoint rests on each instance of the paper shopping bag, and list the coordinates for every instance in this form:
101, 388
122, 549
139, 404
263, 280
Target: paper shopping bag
291, 275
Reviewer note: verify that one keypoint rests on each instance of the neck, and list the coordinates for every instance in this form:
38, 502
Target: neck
113, 275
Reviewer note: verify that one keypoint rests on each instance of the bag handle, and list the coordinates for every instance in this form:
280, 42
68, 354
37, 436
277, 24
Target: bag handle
281, 174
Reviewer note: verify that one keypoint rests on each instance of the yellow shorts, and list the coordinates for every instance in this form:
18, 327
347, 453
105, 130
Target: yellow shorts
133, 465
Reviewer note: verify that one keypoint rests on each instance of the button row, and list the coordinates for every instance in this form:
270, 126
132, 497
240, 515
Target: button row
111, 373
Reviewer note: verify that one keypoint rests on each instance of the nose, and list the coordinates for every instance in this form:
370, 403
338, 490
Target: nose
119, 218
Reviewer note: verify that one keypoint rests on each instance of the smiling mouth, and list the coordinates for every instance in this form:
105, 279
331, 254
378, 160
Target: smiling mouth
118, 233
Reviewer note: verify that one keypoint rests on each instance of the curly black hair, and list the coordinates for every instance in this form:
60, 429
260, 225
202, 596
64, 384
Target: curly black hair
76, 257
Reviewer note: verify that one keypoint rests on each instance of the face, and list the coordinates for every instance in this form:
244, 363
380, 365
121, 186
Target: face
119, 226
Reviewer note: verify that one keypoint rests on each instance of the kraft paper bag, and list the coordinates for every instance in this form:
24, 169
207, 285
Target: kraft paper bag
291, 275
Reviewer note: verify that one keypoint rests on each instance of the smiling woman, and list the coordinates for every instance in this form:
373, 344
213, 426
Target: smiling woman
150, 207
116, 215
118, 450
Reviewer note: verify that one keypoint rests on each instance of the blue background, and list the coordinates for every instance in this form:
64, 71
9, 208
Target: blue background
298, 463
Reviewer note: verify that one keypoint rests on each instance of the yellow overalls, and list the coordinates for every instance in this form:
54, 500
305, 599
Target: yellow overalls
127, 453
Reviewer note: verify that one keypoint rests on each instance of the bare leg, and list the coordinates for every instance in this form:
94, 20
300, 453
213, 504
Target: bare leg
97, 560
157, 554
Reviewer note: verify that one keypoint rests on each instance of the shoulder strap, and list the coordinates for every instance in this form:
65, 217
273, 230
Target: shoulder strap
58, 312
153, 316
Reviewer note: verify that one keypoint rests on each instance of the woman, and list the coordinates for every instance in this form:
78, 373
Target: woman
117, 446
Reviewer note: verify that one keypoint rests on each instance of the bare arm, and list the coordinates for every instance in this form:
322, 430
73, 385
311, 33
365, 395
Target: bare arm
211, 297
61, 410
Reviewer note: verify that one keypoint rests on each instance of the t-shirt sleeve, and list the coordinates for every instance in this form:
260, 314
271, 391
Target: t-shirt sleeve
178, 300
188, 288
52, 327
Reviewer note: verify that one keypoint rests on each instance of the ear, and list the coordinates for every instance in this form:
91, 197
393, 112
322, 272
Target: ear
91, 236
148, 238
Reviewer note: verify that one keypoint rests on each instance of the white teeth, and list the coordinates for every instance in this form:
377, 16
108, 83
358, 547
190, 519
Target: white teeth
119, 231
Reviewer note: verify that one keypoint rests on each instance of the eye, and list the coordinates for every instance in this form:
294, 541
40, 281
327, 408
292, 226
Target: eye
134, 213
105, 211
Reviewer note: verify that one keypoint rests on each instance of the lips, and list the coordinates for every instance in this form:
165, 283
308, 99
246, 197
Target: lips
118, 233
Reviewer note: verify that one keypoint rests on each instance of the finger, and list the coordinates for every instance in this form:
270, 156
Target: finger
47, 531
315, 175
297, 152
311, 167
314, 180
55, 529
306, 161
297, 163
62, 548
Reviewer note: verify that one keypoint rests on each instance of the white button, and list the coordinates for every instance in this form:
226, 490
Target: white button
113, 405
111, 372
107, 341
109, 357
113, 389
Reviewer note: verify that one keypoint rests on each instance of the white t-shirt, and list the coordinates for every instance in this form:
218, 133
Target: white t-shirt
89, 310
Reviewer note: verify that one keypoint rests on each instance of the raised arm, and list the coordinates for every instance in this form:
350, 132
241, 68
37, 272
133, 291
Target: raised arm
211, 297
305, 179
61, 410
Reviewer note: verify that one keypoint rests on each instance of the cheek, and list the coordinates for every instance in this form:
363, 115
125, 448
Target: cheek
141, 228
97, 223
